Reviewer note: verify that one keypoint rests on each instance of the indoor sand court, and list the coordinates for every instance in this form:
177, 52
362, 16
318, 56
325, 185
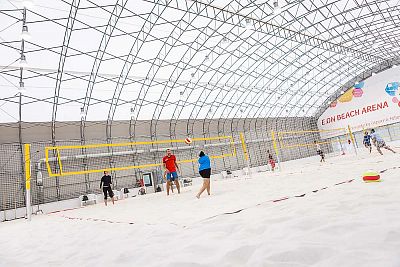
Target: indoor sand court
130, 92
336, 226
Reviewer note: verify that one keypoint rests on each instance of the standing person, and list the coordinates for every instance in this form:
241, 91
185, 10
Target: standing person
319, 151
170, 166
379, 142
205, 172
271, 161
349, 146
105, 183
367, 141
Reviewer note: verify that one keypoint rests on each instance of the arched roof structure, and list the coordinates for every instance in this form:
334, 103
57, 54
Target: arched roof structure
188, 60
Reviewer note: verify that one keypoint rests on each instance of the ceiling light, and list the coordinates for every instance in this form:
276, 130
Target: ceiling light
225, 41
193, 77
25, 35
23, 63
277, 8
249, 24
21, 88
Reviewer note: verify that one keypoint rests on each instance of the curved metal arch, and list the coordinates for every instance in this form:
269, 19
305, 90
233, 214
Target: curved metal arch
196, 83
128, 65
250, 108
348, 22
384, 64
154, 121
271, 110
107, 34
295, 81
353, 74
174, 82
63, 57
338, 25
328, 18
201, 45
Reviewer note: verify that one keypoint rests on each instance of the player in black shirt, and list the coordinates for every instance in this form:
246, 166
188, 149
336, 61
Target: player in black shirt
106, 185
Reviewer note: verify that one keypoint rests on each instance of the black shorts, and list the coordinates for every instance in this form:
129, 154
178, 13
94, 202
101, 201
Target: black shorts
206, 173
109, 190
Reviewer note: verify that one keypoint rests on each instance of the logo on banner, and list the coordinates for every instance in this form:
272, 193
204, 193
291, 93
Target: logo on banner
392, 89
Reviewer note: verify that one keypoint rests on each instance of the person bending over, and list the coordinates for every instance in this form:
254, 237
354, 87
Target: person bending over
205, 172
379, 142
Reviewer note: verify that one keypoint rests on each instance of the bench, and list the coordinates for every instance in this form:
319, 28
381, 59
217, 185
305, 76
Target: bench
84, 199
226, 174
117, 195
187, 182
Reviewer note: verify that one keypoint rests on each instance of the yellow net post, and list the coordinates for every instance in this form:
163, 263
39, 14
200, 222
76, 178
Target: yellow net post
246, 154
27, 150
352, 139
275, 144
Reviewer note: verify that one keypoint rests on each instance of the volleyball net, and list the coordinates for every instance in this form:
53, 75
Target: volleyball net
94, 158
306, 142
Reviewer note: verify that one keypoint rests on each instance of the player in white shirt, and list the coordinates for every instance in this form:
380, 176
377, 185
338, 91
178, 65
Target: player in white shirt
378, 141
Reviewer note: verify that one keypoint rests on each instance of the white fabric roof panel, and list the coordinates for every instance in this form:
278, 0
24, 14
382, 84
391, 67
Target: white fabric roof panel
157, 56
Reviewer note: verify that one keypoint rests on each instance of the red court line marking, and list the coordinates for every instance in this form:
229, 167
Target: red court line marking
226, 213
64, 210
281, 199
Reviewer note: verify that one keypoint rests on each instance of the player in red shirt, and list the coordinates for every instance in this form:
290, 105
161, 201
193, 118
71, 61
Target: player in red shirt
170, 166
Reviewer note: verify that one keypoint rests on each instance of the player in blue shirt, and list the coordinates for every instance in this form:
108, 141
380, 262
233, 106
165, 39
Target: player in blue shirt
367, 141
205, 172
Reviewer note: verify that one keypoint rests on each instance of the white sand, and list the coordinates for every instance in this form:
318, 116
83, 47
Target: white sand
352, 224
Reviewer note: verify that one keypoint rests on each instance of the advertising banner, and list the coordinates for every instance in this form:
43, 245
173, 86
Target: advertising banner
368, 104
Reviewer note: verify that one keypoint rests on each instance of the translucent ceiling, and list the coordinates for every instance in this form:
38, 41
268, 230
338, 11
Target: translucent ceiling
164, 59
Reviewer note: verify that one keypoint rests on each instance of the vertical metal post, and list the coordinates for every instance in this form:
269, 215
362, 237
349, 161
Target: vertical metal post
246, 154
276, 149
352, 139
27, 149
